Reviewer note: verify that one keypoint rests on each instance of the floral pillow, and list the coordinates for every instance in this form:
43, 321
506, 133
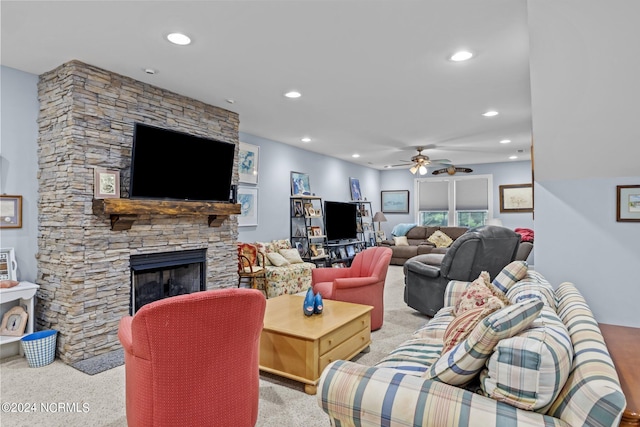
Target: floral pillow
477, 294
265, 248
440, 240
250, 252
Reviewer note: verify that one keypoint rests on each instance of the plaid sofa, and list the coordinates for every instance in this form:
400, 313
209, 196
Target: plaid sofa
396, 392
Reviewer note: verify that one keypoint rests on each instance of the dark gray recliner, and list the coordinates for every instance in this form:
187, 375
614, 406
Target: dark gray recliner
487, 248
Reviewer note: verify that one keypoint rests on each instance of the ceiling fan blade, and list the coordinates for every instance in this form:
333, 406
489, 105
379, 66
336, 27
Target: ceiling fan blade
442, 161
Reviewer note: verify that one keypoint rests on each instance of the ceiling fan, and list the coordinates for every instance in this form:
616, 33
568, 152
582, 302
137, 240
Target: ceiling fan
420, 162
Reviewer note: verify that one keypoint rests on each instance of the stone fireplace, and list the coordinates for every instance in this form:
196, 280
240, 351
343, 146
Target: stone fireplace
166, 274
85, 267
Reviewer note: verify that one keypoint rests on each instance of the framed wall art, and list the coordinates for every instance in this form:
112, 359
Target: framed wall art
628, 203
248, 200
248, 156
516, 198
395, 201
10, 211
300, 184
354, 185
106, 184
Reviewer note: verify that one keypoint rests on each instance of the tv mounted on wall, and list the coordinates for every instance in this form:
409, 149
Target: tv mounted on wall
340, 220
166, 164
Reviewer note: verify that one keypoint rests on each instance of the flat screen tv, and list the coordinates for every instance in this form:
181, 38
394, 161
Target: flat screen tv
340, 220
167, 164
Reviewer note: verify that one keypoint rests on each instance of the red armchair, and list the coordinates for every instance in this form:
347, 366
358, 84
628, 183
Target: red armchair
192, 360
362, 283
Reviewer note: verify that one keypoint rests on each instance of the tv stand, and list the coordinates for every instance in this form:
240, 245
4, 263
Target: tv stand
124, 212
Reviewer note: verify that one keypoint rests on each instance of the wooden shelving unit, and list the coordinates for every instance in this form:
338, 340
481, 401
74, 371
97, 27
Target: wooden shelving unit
124, 212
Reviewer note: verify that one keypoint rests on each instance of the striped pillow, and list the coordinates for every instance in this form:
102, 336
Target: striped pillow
533, 286
510, 275
462, 363
529, 370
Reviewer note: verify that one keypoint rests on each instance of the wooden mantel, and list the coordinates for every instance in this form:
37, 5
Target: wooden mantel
124, 212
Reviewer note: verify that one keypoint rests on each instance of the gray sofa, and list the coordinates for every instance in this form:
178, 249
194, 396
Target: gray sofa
418, 244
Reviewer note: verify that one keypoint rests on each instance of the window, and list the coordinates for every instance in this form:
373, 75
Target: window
454, 201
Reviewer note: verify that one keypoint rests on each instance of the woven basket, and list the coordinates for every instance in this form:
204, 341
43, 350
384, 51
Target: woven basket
40, 348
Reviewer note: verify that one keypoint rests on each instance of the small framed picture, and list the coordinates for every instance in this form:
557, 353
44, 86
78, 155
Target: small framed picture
320, 250
297, 208
316, 231
300, 184
516, 198
10, 211
248, 156
628, 203
13, 322
343, 252
354, 185
106, 184
351, 251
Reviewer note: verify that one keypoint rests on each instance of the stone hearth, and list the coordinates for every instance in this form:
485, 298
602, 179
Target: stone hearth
86, 121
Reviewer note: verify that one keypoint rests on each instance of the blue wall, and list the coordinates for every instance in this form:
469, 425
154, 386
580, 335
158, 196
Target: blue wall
328, 178
19, 163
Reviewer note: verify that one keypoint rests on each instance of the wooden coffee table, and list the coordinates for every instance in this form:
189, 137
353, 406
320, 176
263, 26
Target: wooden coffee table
298, 347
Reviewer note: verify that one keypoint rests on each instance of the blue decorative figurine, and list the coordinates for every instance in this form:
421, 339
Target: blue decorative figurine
317, 306
309, 302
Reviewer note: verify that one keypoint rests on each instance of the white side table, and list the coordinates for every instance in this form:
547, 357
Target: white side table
25, 292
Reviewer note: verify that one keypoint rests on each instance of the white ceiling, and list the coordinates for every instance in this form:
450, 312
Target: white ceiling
374, 75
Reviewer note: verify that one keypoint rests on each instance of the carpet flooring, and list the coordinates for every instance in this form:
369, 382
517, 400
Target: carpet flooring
93, 393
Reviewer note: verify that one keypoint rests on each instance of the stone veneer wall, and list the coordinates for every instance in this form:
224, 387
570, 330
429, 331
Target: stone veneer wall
86, 120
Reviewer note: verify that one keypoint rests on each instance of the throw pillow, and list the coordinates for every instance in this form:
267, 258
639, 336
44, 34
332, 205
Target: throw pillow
529, 370
440, 239
533, 286
291, 255
265, 248
475, 295
281, 244
462, 325
401, 241
509, 275
250, 252
463, 362
277, 259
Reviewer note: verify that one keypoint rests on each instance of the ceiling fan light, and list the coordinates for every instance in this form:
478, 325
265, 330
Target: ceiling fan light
423, 170
414, 169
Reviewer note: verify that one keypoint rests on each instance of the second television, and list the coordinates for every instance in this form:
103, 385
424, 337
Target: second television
340, 221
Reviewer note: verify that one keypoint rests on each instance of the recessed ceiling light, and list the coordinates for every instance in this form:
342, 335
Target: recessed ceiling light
306, 139
513, 157
293, 94
463, 55
355, 155
490, 113
230, 101
505, 141
150, 71
179, 39
387, 167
